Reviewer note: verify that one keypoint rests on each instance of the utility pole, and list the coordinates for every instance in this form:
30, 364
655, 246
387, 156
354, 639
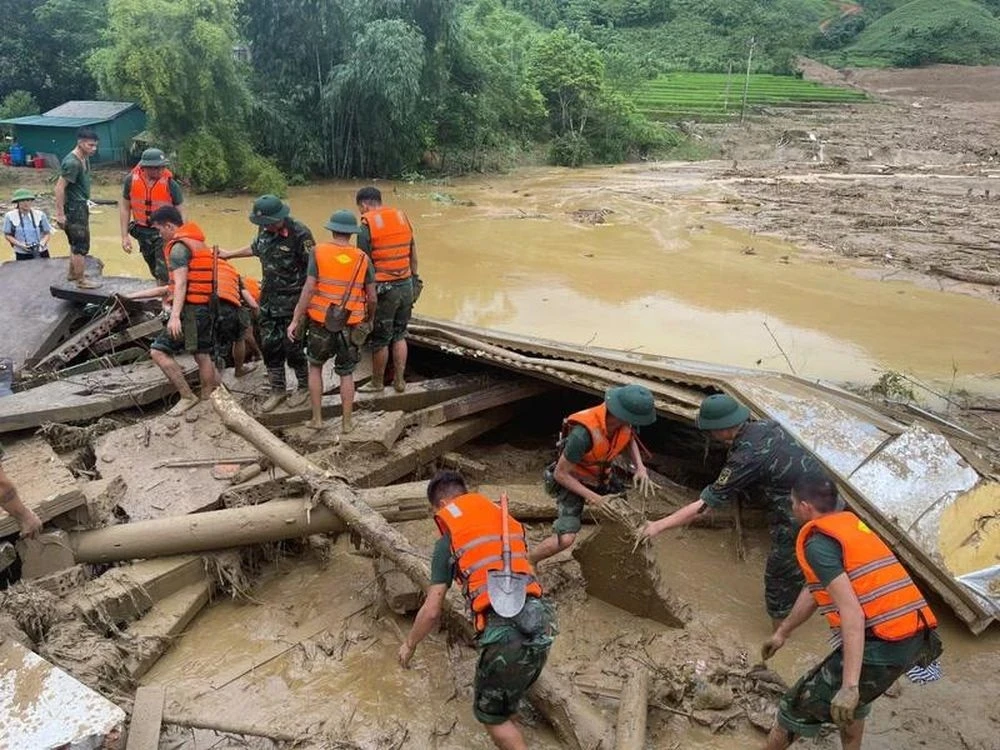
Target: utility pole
746, 83
729, 84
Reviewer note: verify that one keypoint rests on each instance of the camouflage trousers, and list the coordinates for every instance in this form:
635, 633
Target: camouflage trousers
783, 579
806, 706
510, 661
278, 349
151, 248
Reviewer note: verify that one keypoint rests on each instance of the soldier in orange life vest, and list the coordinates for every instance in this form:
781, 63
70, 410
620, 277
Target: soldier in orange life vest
148, 187
387, 237
876, 612
198, 280
589, 443
512, 651
338, 274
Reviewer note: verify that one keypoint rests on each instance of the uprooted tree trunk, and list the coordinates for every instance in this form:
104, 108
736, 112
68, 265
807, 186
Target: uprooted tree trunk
576, 722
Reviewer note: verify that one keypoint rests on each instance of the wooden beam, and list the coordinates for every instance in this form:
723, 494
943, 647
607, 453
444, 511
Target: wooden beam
147, 718
630, 731
417, 396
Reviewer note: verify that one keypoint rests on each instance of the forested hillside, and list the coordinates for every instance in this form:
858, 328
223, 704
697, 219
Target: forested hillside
240, 89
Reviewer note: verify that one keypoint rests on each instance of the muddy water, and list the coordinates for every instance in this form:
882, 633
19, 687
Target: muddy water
659, 276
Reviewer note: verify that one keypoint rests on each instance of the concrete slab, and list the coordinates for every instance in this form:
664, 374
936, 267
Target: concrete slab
35, 321
109, 285
44, 708
147, 718
43, 482
89, 396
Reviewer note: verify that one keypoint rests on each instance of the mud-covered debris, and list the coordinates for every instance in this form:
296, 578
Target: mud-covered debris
32, 608
96, 661
591, 215
65, 437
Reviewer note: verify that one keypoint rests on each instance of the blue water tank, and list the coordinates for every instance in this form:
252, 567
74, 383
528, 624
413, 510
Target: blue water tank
17, 155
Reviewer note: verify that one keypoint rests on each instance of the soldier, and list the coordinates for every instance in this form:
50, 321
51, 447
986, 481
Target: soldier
880, 620
387, 237
589, 443
72, 204
512, 651
761, 455
146, 188
283, 246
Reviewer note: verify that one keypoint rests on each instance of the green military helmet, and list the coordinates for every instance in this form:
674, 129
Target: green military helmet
633, 404
269, 209
343, 222
153, 157
721, 411
22, 194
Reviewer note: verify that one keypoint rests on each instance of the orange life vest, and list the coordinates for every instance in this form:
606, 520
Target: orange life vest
892, 604
595, 467
475, 525
339, 268
204, 269
391, 238
145, 198
253, 286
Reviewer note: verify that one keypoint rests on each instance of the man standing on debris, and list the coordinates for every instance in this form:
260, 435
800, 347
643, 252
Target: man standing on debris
204, 310
283, 246
146, 188
72, 209
339, 296
589, 443
883, 625
27, 228
512, 651
11, 502
387, 237
761, 455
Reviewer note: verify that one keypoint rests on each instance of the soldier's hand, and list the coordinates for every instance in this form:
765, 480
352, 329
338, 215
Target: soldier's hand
641, 481
127, 244
174, 326
405, 654
843, 704
30, 524
292, 330
771, 646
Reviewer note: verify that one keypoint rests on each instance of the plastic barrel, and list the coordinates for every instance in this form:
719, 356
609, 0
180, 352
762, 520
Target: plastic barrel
17, 155
38, 161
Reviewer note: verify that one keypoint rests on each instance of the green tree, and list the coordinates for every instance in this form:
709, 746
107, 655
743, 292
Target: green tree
568, 71
175, 57
18, 104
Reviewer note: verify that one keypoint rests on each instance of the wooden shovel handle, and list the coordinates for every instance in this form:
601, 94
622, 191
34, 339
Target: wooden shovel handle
505, 539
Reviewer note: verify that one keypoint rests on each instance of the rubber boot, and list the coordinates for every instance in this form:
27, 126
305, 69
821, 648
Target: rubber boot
301, 393
398, 384
276, 376
346, 423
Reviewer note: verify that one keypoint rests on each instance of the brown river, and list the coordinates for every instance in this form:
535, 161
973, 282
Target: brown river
659, 276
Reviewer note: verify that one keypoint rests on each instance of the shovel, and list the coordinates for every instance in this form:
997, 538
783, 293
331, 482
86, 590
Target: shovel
507, 590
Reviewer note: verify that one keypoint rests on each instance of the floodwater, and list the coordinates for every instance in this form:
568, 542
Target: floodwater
659, 276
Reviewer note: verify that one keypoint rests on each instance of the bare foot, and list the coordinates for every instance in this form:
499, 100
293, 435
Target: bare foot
315, 424
246, 369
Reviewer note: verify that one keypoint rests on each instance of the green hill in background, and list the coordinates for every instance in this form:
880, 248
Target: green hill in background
924, 32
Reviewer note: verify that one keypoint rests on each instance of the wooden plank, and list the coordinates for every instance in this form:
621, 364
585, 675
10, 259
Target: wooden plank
417, 396
147, 718
43, 482
155, 632
90, 396
129, 591
421, 448
34, 321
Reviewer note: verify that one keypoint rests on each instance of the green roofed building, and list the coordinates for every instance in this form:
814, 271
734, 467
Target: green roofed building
54, 132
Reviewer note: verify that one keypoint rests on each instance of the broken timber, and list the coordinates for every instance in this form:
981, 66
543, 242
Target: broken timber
898, 479
147, 717
44, 483
89, 396
575, 721
630, 731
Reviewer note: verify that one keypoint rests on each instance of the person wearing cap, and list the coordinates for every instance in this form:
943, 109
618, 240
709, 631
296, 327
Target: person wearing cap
283, 246
72, 195
146, 188
763, 457
27, 228
338, 275
387, 237
589, 443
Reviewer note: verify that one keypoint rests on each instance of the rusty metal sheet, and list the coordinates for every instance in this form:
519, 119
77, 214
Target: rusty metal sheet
43, 707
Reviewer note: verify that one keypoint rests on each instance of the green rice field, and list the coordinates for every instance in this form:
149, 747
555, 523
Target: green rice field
716, 97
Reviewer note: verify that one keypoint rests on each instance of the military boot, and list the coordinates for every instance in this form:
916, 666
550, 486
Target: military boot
301, 393
276, 376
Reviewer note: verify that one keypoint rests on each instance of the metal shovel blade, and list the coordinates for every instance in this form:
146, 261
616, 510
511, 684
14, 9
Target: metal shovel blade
507, 590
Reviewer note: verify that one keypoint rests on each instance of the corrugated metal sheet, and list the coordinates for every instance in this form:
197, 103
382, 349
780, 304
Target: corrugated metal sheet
93, 110
44, 121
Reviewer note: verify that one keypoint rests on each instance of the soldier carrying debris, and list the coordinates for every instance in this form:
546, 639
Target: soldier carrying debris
481, 545
762, 455
878, 616
589, 443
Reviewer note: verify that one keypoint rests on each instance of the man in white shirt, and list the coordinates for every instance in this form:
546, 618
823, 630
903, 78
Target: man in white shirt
27, 228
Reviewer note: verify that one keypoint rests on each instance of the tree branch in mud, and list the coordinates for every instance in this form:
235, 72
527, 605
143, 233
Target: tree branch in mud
576, 722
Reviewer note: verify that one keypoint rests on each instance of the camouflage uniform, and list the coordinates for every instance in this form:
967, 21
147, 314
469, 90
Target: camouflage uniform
764, 456
510, 660
284, 258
